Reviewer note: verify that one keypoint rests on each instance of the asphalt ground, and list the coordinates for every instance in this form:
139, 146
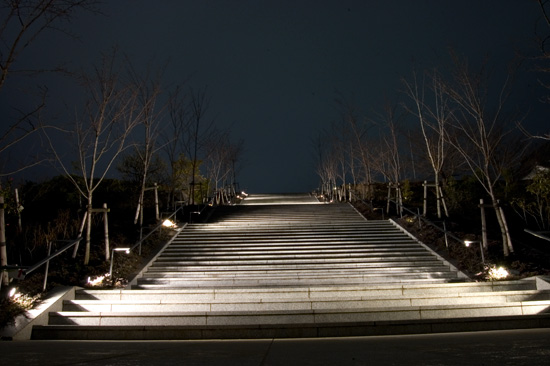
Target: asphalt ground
516, 347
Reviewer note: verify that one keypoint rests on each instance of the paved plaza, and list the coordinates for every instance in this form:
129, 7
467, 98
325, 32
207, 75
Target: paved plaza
516, 347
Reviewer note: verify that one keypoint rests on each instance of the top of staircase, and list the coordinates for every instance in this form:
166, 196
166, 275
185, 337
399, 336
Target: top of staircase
280, 199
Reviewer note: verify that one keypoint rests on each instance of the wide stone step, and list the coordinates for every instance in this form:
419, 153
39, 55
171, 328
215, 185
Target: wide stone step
174, 266
315, 272
277, 256
422, 326
419, 259
273, 241
186, 272
237, 283
196, 237
309, 250
272, 304
258, 294
305, 316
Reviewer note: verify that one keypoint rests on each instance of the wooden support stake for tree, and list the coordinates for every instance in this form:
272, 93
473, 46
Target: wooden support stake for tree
103, 210
19, 209
80, 233
389, 198
508, 237
47, 267
106, 226
483, 224
399, 200
425, 211
4, 280
443, 200
446, 239
157, 213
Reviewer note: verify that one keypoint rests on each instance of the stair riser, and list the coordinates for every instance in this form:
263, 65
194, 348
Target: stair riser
295, 317
302, 268
290, 304
284, 274
447, 289
291, 331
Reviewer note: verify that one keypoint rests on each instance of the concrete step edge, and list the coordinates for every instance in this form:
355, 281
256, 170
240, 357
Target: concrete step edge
425, 326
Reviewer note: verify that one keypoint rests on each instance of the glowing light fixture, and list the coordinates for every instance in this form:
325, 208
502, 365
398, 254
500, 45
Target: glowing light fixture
169, 224
96, 281
498, 273
12, 292
126, 250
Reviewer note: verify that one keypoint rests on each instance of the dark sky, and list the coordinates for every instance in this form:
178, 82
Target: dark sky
274, 68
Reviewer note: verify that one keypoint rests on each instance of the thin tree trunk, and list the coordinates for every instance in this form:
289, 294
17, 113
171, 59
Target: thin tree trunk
106, 228
507, 231
88, 230
503, 228
438, 196
3, 252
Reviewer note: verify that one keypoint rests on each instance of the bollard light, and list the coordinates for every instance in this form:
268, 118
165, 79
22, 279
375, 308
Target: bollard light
125, 250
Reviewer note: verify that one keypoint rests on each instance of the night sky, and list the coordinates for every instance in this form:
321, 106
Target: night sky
273, 69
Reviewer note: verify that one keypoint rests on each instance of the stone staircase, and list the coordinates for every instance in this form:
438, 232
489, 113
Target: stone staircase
267, 269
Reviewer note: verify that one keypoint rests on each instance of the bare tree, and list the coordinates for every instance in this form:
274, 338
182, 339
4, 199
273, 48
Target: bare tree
221, 156
148, 91
391, 145
433, 117
359, 146
26, 124
339, 151
199, 106
176, 140
327, 165
21, 22
481, 133
100, 132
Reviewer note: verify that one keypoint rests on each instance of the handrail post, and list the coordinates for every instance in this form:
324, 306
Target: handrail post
140, 238
483, 224
157, 213
111, 265
445, 232
425, 202
47, 267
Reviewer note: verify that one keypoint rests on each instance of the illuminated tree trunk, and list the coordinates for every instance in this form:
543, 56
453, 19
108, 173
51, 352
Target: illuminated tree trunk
3, 252
88, 231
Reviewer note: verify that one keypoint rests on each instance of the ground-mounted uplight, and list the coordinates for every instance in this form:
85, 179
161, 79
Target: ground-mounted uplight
169, 224
467, 243
95, 281
499, 273
22, 300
